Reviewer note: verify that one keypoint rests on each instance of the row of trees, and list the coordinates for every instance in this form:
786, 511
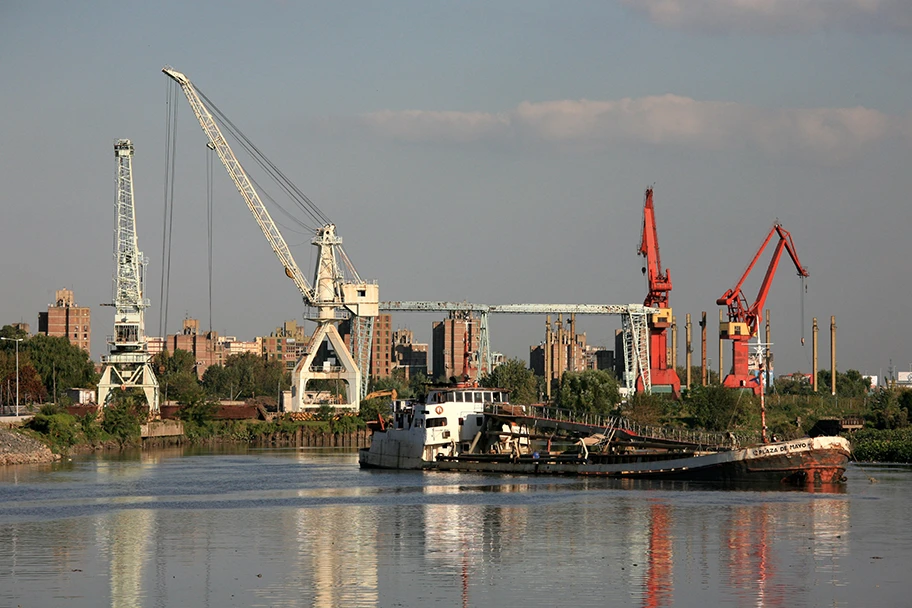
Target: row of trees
48, 367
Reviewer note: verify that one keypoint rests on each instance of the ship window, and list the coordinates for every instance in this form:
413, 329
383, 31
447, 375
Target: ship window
435, 422
496, 397
460, 396
478, 398
451, 397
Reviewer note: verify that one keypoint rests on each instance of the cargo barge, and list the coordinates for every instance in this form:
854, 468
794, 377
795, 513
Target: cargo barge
472, 429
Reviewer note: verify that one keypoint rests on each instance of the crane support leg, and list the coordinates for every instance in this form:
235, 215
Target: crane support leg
327, 359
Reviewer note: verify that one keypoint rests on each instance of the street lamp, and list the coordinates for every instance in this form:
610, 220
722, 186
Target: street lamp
17, 341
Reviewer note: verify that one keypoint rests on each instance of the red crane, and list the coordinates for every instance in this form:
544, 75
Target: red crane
744, 319
663, 378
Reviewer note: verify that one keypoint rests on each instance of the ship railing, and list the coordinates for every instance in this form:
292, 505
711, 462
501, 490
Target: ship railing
611, 424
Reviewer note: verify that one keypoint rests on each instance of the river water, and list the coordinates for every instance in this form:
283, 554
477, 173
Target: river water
308, 528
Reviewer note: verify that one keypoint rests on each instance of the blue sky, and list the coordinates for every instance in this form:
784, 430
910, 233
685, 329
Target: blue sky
490, 152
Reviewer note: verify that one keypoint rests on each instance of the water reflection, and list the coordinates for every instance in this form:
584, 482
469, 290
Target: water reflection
292, 530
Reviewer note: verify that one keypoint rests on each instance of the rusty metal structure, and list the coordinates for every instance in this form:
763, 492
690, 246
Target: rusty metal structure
744, 317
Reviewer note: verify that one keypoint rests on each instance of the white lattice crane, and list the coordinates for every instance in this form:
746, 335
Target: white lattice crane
332, 291
127, 365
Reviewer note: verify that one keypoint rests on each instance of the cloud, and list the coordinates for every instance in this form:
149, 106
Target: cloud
665, 120
778, 16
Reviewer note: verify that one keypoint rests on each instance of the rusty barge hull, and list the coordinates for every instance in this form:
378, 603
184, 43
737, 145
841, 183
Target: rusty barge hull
814, 461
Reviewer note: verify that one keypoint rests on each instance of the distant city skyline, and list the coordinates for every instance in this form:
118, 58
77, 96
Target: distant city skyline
488, 152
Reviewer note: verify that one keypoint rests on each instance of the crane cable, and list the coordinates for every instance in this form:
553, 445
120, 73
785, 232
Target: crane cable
168, 216
209, 213
302, 201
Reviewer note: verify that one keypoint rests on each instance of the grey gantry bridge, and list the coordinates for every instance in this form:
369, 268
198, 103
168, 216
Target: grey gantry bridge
634, 321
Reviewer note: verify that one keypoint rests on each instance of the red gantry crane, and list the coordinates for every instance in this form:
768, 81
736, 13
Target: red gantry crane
664, 379
744, 319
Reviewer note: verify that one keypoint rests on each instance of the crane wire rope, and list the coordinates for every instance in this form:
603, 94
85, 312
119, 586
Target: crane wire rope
171, 106
298, 197
209, 211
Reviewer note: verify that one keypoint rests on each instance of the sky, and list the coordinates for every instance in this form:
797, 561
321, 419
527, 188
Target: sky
491, 152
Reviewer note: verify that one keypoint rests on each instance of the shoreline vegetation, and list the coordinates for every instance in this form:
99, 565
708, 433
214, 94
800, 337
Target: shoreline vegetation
53, 433
883, 416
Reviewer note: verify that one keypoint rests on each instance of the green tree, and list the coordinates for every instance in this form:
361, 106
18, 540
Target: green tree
886, 412
59, 364
124, 415
196, 407
513, 375
717, 408
649, 409
176, 375
848, 384
588, 392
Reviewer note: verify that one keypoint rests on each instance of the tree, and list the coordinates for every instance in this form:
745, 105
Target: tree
848, 384
589, 392
514, 376
649, 409
59, 363
717, 408
124, 415
886, 412
175, 372
196, 407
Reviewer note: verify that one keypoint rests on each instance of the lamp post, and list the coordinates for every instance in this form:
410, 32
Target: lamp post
17, 341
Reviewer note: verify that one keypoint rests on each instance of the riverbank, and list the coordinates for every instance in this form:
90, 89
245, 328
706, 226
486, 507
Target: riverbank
16, 448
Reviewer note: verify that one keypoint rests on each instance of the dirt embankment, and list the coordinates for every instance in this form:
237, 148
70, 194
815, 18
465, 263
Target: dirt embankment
16, 448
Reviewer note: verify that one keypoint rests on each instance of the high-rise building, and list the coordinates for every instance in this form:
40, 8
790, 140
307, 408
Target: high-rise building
454, 346
65, 319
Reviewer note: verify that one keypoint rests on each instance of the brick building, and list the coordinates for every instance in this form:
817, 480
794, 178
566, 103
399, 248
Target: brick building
205, 348
65, 319
287, 343
408, 355
454, 342
381, 361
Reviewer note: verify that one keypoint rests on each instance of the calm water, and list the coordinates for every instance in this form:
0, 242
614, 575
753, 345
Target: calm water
308, 528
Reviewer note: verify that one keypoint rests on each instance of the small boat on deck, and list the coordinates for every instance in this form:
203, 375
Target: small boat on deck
465, 428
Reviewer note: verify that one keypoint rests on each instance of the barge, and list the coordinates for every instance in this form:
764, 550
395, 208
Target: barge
471, 429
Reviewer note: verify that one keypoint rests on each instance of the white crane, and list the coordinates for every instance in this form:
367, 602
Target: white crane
331, 290
128, 364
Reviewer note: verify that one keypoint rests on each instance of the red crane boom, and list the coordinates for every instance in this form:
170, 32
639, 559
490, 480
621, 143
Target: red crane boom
743, 318
662, 377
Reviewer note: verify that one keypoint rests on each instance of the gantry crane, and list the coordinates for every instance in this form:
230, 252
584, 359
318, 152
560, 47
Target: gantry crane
127, 365
633, 322
327, 356
664, 378
744, 318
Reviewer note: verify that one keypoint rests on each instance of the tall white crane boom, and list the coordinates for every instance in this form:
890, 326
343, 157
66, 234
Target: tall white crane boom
244, 185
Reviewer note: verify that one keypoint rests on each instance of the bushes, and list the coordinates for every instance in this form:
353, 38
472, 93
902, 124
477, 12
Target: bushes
60, 430
872, 445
